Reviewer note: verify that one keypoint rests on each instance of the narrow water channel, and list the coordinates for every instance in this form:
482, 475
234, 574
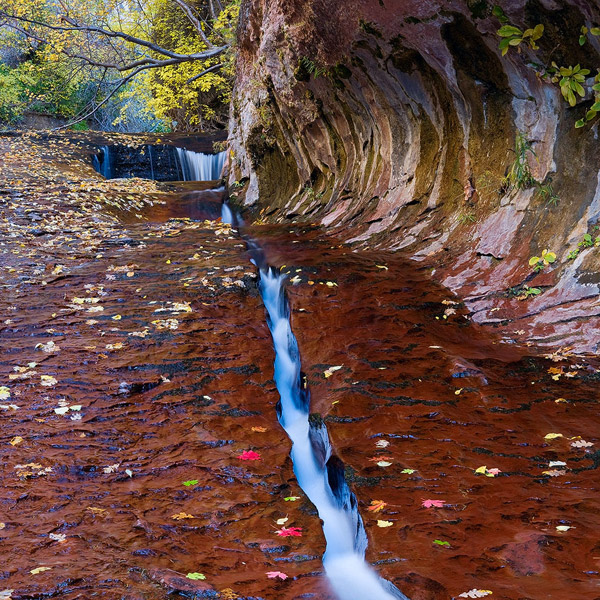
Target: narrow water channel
318, 471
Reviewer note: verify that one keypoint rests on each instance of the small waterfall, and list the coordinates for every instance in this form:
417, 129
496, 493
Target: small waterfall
102, 162
319, 473
197, 166
151, 161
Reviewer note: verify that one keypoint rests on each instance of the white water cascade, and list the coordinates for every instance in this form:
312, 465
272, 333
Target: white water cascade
319, 474
197, 166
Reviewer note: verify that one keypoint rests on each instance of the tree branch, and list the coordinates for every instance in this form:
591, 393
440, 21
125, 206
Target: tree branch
209, 70
193, 20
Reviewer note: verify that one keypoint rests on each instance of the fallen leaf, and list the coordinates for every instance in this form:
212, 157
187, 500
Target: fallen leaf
291, 498
408, 471
377, 505
249, 455
282, 521
331, 370
16, 440
48, 380
474, 593
181, 516
2, 525
6, 594
554, 473
195, 576
433, 503
558, 400
382, 443
97, 511
553, 436
61, 410
563, 527
441, 543
39, 570
384, 463
276, 574
581, 444
58, 537
4, 393
111, 468
384, 523
557, 463
190, 482
289, 532
259, 429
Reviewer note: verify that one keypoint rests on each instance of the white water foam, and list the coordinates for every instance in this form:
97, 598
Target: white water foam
197, 166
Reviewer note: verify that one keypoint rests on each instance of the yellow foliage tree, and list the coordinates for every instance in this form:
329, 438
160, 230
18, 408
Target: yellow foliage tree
179, 54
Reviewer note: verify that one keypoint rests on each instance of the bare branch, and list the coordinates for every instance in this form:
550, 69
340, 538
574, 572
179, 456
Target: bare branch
209, 70
193, 20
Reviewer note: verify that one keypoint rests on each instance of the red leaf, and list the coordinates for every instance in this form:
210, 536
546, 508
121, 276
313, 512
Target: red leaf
433, 503
249, 455
290, 532
275, 574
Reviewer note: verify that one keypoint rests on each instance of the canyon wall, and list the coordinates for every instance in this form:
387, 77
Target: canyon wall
394, 123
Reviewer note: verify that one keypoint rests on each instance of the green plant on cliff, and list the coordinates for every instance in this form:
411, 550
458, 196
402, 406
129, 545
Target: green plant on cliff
519, 174
540, 262
570, 79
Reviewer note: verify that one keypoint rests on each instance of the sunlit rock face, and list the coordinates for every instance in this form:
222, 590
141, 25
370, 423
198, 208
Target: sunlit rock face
395, 123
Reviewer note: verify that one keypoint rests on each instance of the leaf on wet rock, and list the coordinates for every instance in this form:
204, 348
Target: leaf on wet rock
259, 429
171, 324
39, 570
4, 393
190, 482
282, 521
61, 410
97, 511
554, 473
408, 471
381, 523
291, 498
181, 516
557, 463
276, 575
487, 472
433, 503
111, 468
196, 576
249, 455
382, 443
384, 463
331, 370
475, 593
441, 543
377, 505
48, 380
563, 527
16, 440
289, 532
58, 537
6, 594
581, 444
48, 348
553, 436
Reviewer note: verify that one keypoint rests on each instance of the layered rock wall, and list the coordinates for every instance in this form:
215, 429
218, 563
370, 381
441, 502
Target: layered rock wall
395, 124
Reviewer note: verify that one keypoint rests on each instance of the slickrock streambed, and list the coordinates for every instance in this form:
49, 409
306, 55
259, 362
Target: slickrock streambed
124, 448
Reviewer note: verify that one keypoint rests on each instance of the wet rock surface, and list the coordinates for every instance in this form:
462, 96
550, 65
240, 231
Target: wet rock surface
395, 124
121, 470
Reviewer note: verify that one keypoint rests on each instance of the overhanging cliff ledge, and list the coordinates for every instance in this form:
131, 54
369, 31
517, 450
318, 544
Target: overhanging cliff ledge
394, 124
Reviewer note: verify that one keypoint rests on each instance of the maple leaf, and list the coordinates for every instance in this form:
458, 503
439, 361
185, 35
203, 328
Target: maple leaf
581, 444
384, 523
249, 455
276, 574
475, 593
377, 505
433, 503
290, 532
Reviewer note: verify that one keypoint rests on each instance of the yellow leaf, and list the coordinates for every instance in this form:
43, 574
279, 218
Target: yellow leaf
4, 393
481, 470
116, 318
16, 440
180, 516
384, 523
39, 570
553, 436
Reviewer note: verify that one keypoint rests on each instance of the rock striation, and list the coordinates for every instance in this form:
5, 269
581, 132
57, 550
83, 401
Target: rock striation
395, 123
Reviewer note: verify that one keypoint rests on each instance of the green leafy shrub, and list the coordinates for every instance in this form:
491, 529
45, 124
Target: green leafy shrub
540, 262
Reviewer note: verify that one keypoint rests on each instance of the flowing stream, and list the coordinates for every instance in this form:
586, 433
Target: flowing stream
320, 474
197, 166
